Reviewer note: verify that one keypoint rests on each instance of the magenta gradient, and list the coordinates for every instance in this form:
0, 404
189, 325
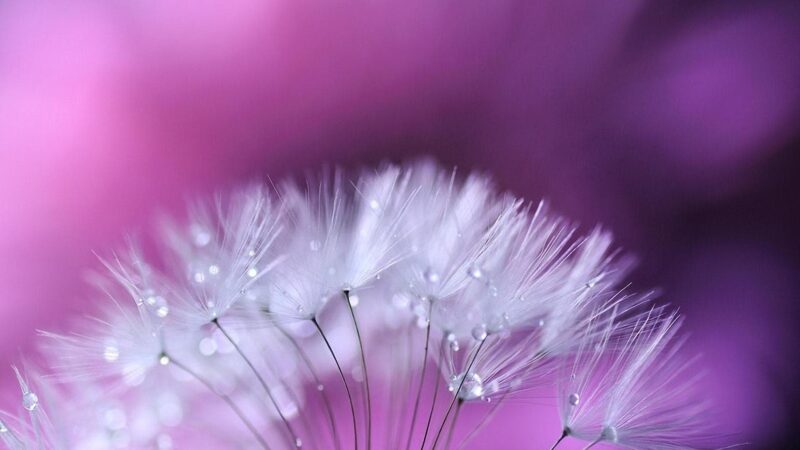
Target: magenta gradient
673, 123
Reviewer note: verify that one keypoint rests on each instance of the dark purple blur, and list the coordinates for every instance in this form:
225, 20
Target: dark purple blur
673, 123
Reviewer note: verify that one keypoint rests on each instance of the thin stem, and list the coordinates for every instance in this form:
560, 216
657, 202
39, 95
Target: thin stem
326, 401
344, 380
364, 366
421, 384
223, 397
596, 441
563, 436
484, 421
453, 423
458, 391
435, 395
294, 438
399, 395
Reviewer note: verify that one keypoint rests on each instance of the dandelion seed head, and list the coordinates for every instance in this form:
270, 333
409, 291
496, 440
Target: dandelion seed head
263, 300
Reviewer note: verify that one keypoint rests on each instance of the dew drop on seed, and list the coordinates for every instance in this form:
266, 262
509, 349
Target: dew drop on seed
30, 401
207, 346
471, 388
162, 311
320, 387
163, 360
252, 272
213, 269
431, 276
574, 399
454, 345
475, 271
314, 245
200, 236
297, 442
3, 428
111, 353
610, 434
479, 332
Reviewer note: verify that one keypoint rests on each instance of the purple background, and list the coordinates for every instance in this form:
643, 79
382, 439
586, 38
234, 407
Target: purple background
673, 123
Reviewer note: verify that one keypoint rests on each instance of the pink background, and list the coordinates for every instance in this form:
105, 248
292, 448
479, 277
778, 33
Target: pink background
673, 123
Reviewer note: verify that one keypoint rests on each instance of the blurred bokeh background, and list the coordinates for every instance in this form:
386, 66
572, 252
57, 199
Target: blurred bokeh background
673, 123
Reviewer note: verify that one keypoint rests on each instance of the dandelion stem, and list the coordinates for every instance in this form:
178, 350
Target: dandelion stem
294, 438
453, 423
457, 392
595, 442
364, 366
563, 436
344, 381
326, 401
223, 397
435, 395
421, 384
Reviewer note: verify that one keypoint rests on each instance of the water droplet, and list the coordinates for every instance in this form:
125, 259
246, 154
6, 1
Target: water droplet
297, 442
314, 245
431, 276
30, 401
471, 388
541, 322
353, 300
493, 291
454, 345
162, 311
374, 205
301, 309
498, 323
479, 332
199, 277
251, 253
163, 360
213, 269
3, 428
207, 346
110, 352
320, 387
400, 301
475, 271
252, 272
610, 434
574, 399
200, 235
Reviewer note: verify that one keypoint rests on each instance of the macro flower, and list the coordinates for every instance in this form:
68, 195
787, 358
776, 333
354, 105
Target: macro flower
313, 316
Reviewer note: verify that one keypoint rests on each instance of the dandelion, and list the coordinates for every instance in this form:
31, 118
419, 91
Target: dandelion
632, 387
246, 320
